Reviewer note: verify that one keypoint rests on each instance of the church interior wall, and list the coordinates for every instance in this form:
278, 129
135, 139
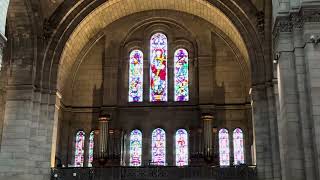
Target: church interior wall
217, 83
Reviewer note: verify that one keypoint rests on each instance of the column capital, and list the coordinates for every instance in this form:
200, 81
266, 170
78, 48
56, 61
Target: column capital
104, 118
207, 117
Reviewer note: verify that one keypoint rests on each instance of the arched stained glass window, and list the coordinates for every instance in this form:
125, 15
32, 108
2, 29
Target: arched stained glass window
224, 151
79, 151
91, 144
159, 147
182, 154
158, 67
181, 75
238, 149
135, 148
136, 76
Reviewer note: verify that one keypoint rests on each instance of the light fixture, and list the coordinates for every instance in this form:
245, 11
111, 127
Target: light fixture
276, 57
314, 39
74, 174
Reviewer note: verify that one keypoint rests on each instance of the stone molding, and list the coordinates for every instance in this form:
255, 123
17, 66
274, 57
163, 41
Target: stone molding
296, 20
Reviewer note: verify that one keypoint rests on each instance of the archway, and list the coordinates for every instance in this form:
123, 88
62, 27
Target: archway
71, 36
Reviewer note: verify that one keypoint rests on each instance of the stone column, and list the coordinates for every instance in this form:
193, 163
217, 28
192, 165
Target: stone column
2, 84
261, 132
207, 135
103, 137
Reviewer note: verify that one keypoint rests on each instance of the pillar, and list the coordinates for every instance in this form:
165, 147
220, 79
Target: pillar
207, 135
103, 137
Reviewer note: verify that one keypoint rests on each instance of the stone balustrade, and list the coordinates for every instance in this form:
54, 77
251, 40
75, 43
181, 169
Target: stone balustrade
156, 173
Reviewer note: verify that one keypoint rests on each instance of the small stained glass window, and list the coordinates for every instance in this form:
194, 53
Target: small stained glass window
224, 150
182, 154
159, 147
135, 148
79, 151
238, 149
136, 76
181, 75
91, 144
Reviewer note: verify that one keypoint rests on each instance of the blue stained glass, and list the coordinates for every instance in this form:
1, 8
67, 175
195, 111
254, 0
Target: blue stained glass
182, 154
224, 150
158, 67
181, 75
136, 76
159, 147
135, 148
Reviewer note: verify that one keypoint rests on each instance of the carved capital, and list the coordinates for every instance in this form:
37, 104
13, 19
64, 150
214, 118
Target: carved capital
296, 20
260, 22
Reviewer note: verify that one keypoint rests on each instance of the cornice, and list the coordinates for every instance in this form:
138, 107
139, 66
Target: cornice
296, 20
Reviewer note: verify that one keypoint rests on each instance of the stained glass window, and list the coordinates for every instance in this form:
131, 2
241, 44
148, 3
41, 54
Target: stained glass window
158, 67
182, 154
224, 151
159, 147
238, 149
181, 75
91, 144
136, 76
79, 151
135, 148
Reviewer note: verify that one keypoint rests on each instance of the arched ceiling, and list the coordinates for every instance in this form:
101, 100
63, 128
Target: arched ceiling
113, 10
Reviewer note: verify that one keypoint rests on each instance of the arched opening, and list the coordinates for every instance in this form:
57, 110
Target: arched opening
82, 63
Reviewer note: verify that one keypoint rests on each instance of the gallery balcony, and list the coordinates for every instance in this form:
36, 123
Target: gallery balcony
242, 172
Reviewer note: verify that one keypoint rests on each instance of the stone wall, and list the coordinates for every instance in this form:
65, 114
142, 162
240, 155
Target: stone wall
297, 93
218, 83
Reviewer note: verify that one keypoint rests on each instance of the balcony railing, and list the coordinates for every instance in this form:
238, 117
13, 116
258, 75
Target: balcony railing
157, 173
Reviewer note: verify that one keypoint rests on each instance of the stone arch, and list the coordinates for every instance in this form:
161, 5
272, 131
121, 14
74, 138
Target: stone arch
71, 22
76, 29
238, 24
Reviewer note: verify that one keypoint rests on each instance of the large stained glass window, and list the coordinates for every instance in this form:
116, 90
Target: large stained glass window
158, 67
224, 151
182, 154
181, 75
238, 149
159, 147
136, 76
91, 144
135, 148
79, 151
